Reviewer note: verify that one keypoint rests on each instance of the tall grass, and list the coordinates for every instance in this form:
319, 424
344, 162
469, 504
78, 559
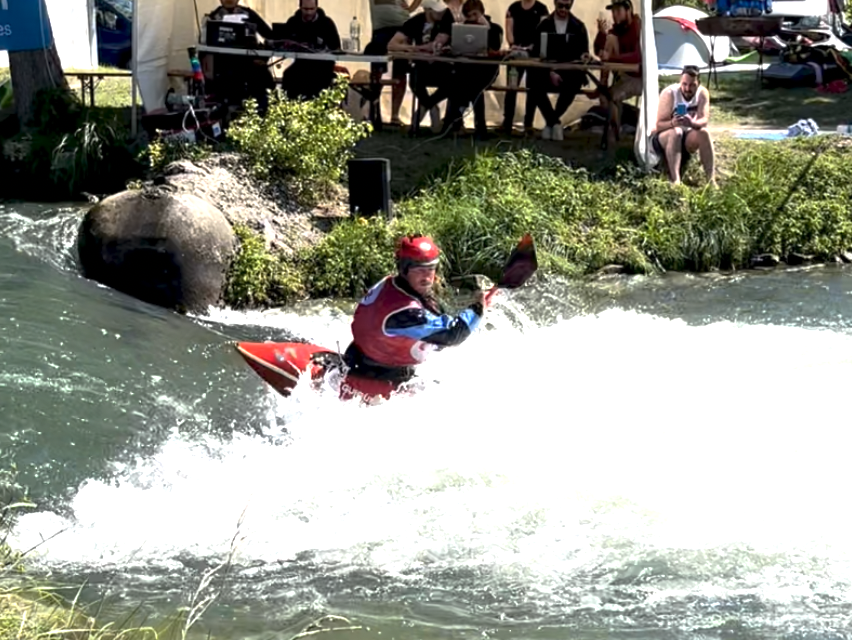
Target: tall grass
782, 198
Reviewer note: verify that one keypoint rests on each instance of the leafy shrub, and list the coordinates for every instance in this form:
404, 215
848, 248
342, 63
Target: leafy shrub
73, 149
258, 277
305, 142
352, 257
161, 153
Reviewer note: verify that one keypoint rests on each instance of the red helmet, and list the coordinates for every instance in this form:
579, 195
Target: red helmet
419, 251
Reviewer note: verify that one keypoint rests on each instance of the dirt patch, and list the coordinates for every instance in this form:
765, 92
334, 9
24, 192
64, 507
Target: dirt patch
416, 160
224, 180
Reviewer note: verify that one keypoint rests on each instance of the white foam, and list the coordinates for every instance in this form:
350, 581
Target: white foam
544, 450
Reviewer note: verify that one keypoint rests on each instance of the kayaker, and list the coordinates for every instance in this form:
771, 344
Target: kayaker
400, 321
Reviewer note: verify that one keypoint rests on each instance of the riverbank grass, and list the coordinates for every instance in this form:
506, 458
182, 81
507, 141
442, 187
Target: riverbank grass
789, 199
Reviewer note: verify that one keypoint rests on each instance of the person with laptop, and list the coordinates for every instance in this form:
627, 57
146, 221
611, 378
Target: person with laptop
476, 36
237, 77
313, 29
561, 37
417, 35
522, 20
387, 17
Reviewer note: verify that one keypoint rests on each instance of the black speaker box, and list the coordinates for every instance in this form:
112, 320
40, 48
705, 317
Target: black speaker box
369, 186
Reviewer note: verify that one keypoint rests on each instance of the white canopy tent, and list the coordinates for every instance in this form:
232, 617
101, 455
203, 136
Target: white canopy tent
164, 29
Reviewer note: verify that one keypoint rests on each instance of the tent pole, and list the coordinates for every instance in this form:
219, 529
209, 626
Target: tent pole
647, 18
94, 61
134, 67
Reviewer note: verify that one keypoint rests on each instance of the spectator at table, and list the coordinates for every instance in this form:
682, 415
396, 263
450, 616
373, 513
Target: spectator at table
622, 43
566, 83
311, 27
387, 18
682, 118
417, 35
522, 20
470, 81
454, 14
237, 77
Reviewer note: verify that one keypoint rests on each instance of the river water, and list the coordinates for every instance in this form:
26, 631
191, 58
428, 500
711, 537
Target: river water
633, 458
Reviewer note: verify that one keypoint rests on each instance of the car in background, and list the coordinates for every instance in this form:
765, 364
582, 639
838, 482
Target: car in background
114, 19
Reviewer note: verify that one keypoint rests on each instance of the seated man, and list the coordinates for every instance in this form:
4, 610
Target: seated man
388, 17
567, 83
310, 27
682, 118
469, 82
623, 43
522, 18
399, 321
418, 35
239, 77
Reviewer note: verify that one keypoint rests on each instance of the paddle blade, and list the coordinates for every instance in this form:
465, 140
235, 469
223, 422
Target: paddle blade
520, 266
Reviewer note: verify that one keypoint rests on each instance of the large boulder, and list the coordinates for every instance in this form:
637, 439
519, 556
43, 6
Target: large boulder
164, 247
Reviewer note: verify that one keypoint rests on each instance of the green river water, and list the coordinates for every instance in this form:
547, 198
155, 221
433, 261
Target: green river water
632, 458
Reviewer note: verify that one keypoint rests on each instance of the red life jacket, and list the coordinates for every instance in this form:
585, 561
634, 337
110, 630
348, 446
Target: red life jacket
368, 327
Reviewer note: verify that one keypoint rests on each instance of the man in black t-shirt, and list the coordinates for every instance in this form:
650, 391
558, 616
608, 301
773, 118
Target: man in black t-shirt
469, 81
567, 83
522, 20
312, 28
418, 35
236, 78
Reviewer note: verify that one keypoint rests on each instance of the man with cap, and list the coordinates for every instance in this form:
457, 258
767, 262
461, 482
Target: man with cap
399, 321
622, 43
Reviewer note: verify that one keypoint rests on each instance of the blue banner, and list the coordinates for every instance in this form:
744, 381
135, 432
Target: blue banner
24, 25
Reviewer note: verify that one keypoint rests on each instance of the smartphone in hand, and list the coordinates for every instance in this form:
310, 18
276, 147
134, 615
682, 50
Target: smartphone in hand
680, 109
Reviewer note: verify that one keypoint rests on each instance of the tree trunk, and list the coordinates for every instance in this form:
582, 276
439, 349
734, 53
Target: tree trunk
33, 71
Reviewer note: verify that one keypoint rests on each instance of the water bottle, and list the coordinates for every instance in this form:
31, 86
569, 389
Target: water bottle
512, 77
355, 33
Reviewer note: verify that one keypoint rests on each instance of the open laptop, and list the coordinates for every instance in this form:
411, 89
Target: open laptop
469, 40
554, 47
236, 35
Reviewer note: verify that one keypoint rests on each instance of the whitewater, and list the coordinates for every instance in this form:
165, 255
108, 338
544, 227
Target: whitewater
673, 465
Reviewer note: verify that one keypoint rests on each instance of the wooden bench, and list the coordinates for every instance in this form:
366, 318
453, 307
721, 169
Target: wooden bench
88, 78
371, 91
505, 89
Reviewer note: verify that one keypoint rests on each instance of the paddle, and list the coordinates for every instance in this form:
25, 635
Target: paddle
520, 267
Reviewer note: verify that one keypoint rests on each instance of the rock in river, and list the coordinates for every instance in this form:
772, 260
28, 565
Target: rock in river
164, 247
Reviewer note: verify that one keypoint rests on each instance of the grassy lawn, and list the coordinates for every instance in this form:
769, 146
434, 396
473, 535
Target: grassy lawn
739, 101
109, 92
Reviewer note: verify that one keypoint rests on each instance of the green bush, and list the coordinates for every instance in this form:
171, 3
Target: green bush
353, 256
305, 142
258, 277
161, 153
74, 149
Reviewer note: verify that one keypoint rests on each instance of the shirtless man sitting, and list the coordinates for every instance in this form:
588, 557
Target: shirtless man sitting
682, 118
